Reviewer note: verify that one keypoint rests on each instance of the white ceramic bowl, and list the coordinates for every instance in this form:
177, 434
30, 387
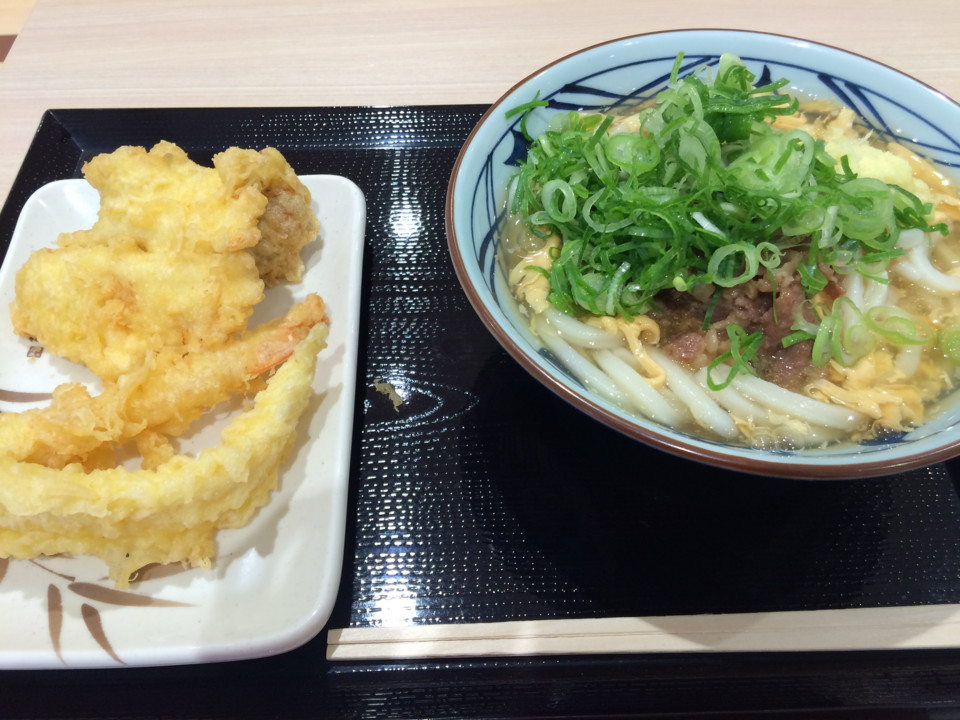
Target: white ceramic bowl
638, 67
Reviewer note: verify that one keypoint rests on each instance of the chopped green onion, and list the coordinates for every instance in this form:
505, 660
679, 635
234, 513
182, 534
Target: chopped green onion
525, 109
822, 349
708, 192
726, 270
633, 153
743, 348
795, 337
949, 342
898, 326
560, 209
865, 210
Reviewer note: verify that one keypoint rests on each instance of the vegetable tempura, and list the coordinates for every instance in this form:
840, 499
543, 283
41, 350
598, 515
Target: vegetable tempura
155, 299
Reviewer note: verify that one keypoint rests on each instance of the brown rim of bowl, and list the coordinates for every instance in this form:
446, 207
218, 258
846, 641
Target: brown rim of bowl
715, 458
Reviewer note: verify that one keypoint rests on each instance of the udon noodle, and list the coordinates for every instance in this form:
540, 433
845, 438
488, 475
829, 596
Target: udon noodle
777, 330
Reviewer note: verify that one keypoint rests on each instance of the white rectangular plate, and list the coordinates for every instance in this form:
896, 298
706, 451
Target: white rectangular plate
273, 583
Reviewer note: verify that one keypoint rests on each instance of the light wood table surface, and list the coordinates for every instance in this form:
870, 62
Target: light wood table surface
308, 53
169, 53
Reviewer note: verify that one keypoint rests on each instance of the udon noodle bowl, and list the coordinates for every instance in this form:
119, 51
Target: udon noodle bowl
731, 262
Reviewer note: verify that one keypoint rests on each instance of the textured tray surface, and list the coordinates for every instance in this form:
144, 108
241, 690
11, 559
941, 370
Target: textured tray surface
485, 498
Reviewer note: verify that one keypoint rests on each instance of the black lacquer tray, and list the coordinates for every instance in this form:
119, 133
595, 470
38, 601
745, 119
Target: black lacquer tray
484, 498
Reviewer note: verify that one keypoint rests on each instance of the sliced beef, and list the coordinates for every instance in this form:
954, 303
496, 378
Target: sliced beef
688, 348
751, 305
